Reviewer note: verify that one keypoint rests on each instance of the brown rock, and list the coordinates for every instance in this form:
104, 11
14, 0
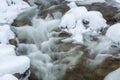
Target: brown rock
81, 72
66, 46
13, 42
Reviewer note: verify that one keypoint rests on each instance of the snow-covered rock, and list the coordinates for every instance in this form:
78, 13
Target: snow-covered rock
71, 17
13, 64
115, 75
78, 12
68, 21
113, 33
10, 11
6, 34
8, 77
7, 50
95, 20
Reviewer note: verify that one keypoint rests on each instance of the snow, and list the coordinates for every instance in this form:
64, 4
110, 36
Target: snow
13, 64
115, 75
70, 18
8, 77
113, 33
68, 21
78, 20
78, 12
9, 12
7, 50
117, 1
96, 20
6, 34
9, 62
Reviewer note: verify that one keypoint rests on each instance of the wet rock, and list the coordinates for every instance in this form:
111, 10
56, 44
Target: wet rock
117, 17
81, 72
22, 76
64, 34
62, 7
25, 17
13, 42
66, 46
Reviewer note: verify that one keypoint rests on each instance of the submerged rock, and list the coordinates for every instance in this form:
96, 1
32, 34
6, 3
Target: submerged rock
80, 72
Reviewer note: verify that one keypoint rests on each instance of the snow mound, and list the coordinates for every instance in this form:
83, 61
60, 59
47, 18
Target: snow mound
7, 50
113, 33
6, 34
95, 20
78, 20
9, 11
13, 64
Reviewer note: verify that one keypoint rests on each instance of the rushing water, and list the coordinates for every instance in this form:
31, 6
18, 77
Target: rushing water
51, 50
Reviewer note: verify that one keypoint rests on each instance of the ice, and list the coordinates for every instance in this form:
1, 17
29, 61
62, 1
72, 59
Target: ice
13, 64
8, 77
115, 75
